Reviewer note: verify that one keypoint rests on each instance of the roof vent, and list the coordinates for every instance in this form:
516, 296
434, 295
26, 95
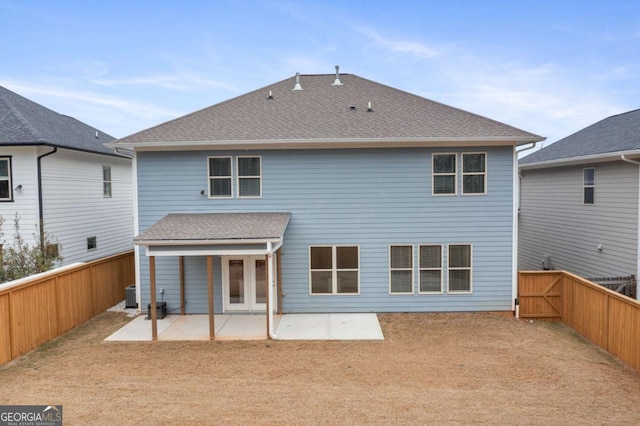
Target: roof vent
297, 86
369, 109
97, 136
270, 97
352, 107
337, 81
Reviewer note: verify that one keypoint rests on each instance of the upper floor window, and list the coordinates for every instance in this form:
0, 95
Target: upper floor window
334, 269
444, 174
106, 181
220, 177
6, 190
589, 182
249, 177
92, 243
474, 173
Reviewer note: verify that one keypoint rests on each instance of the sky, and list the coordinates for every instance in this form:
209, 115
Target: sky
550, 67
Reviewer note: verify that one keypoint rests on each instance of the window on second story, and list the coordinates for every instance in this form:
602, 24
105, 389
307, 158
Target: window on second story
6, 190
249, 177
444, 174
220, 177
106, 181
589, 182
474, 173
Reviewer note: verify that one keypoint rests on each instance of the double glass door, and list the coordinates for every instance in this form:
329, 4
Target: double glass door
245, 283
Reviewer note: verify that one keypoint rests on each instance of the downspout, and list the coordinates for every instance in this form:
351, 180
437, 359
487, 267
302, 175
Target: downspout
637, 163
270, 252
40, 209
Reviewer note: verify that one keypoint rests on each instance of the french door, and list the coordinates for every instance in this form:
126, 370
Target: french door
244, 283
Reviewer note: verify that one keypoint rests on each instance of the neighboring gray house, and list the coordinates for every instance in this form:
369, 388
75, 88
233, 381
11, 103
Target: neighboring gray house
369, 198
56, 171
579, 201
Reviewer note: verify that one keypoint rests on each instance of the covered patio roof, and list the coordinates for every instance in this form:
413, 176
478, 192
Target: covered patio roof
207, 234
213, 234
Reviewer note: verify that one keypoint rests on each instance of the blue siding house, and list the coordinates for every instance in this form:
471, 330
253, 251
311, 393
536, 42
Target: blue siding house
327, 193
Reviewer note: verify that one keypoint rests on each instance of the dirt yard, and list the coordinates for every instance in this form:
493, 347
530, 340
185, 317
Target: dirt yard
431, 368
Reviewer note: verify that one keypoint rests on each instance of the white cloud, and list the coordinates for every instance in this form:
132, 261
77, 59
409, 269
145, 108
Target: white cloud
400, 47
181, 81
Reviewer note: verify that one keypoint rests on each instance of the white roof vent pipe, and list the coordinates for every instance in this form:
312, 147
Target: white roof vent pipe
297, 86
337, 81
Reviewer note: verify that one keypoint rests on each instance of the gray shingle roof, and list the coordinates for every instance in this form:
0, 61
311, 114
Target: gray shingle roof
618, 133
215, 226
24, 122
322, 111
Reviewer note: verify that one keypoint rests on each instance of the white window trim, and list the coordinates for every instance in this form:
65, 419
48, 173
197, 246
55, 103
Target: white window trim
238, 177
9, 178
104, 182
470, 268
96, 244
484, 174
584, 186
334, 270
210, 178
434, 174
394, 293
441, 269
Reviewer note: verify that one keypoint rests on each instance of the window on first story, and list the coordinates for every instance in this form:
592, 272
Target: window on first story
589, 182
401, 269
431, 268
92, 243
220, 177
106, 181
249, 177
6, 190
444, 174
474, 173
459, 268
334, 269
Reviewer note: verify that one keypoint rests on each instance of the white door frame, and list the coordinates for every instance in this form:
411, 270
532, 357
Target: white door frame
249, 273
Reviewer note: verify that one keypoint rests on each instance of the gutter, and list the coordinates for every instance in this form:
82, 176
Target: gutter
40, 209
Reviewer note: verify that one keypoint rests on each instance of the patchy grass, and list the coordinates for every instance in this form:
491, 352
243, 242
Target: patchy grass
431, 368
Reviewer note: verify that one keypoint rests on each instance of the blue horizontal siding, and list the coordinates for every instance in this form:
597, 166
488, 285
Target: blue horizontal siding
369, 197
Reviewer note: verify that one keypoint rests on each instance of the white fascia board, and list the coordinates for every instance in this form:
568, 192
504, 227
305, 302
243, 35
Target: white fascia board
574, 161
325, 143
149, 251
204, 242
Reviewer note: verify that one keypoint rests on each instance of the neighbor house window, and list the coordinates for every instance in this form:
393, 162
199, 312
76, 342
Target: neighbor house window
474, 173
106, 181
220, 177
401, 269
444, 174
334, 269
459, 261
249, 177
431, 269
6, 190
92, 243
589, 178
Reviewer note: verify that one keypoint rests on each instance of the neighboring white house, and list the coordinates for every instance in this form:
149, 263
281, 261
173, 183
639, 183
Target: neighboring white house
56, 171
579, 201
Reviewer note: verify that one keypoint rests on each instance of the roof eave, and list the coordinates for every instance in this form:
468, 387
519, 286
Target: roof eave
205, 242
327, 143
585, 159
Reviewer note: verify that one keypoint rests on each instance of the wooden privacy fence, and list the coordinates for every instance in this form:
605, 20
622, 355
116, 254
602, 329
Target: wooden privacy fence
38, 309
609, 319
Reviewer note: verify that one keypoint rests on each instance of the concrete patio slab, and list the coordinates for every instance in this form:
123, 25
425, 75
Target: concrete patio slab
253, 327
329, 327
